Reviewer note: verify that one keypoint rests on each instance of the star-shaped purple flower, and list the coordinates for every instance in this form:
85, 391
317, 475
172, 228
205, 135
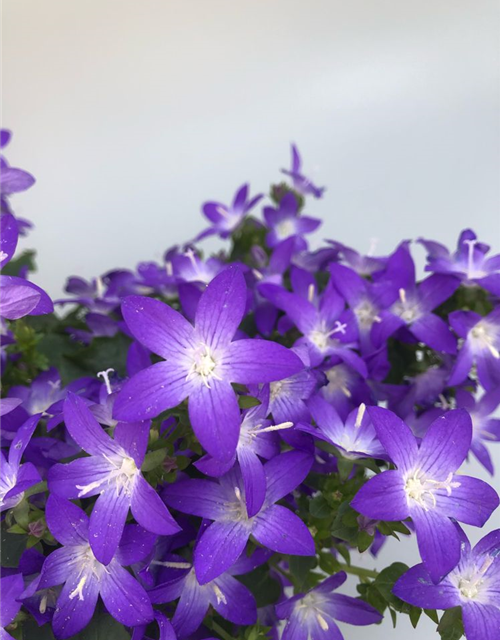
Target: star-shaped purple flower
274, 526
300, 183
201, 362
481, 346
426, 487
285, 222
313, 615
226, 219
469, 262
85, 578
474, 585
113, 473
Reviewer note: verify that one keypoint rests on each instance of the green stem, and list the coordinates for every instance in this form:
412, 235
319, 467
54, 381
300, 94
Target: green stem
223, 634
359, 571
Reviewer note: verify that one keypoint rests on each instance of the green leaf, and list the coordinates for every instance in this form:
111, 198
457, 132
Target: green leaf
345, 467
153, 459
384, 582
319, 507
415, 614
31, 631
265, 588
247, 402
432, 614
450, 626
103, 627
300, 567
26, 259
11, 547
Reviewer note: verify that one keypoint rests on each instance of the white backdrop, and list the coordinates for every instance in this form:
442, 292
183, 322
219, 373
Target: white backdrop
131, 113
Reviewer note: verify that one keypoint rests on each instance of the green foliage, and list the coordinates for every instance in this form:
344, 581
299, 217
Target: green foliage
450, 626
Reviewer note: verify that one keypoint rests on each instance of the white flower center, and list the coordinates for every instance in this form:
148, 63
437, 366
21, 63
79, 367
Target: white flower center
366, 313
285, 229
122, 475
486, 337
322, 336
471, 581
421, 489
406, 309
338, 380
204, 365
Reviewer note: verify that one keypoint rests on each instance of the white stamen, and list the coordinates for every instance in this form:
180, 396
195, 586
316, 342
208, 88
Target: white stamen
373, 245
43, 604
402, 296
470, 257
172, 565
105, 376
78, 590
345, 391
361, 413
340, 327
189, 253
169, 268
418, 488
310, 292
219, 595
322, 622
277, 427
257, 274
3, 255
204, 365
86, 488
237, 493
99, 287
223, 212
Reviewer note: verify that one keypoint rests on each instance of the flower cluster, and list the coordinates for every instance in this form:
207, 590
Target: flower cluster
193, 449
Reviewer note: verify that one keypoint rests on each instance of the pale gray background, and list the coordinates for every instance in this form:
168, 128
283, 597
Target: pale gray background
132, 113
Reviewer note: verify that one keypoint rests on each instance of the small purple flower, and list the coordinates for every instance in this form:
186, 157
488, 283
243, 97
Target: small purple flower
355, 438
113, 472
12, 179
285, 222
226, 220
11, 587
190, 267
44, 391
231, 599
85, 578
364, 265
300, 183
274, 526
328, 329
16, 478
22, 298
201, 362
485, 428
474, 585
481, 346
9, 234
426, 487
469, 262
313, 615
258, 438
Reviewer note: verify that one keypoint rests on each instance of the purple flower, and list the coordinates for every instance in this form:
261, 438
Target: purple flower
22, 298
474, 585
9, 234
85, 578
190, 267
226, 220
231, 599
11, 587
113, 472
285, 222
484, 428
469, 262
414, 307
258, 437
44, 391
300, 183
12, 180
326, 327
364, 265
481, 346
274, 526
356, 438
16, 478
313, 615
426, 487
201, 362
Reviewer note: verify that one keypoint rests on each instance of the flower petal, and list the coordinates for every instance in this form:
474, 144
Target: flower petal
149, 510
481, 621
351, 610
259, 361
383, 497
107, 521
215, 418
285, 472
69, 480
157, 326
435, 333
84, 428
221, 308
278, 529
445, 444
237, 603
67, 522
472, 502
254, 480
395, 436
191, 608
75, 605
125, 599
162, 386
416, 587
202, 498
438, 542
218, 548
